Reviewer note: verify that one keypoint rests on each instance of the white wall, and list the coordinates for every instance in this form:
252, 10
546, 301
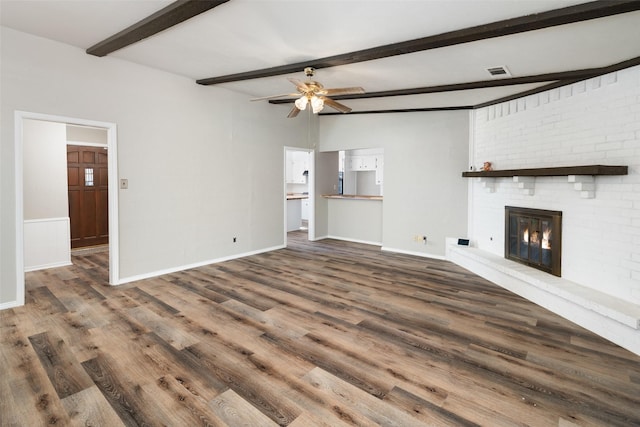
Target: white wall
45, 201
591, 122
367, 228
204, 164
86, 134
47, 243
424, 155
325, 182
45, 171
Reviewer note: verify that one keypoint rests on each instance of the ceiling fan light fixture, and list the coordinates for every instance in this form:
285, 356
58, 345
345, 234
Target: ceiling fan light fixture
314, 93
302, 102
317, 104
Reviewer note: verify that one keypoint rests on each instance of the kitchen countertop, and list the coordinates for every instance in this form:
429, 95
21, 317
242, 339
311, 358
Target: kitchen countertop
297, 196
351, 197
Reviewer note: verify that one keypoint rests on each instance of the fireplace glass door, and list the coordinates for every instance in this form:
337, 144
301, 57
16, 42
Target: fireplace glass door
533, 237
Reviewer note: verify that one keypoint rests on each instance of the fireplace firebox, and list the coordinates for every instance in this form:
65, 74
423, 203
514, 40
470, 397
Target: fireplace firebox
534, 237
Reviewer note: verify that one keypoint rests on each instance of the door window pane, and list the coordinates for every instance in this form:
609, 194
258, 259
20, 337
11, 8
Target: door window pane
88, 177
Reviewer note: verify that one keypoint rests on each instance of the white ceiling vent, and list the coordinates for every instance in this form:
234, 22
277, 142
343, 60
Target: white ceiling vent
499, 71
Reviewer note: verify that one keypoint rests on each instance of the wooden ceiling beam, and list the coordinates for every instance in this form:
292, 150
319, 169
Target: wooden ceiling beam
559, 78
163, 19
402, 110
567, 80
541, 78
567, 15
555, 80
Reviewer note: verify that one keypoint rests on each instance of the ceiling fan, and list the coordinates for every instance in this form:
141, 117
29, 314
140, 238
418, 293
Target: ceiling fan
314, 94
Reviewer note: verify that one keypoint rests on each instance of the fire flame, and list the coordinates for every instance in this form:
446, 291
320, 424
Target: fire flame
535, 236
546, 239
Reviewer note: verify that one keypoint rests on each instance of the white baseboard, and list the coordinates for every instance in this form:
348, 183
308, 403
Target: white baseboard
414, 253
317, 238
346, 239
135, 278
10, 304
45, 266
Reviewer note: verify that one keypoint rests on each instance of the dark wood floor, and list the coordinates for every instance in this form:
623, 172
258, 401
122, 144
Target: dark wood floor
326, 333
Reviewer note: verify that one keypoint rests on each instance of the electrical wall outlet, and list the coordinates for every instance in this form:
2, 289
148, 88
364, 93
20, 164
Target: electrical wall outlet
420, 238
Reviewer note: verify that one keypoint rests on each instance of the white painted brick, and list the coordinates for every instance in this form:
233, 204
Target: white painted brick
590, 122
610, 78
635, 196
616, 145
544, 97
625, 154
584, 148
621, 136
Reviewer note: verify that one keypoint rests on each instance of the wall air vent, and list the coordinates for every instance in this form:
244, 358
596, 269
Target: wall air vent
499, 71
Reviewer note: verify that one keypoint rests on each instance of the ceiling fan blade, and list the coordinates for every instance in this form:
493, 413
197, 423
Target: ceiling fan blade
342, 91
262, 98
301, 86
335, 105
294, 112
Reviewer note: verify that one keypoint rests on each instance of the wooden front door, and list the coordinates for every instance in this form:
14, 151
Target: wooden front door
88, 195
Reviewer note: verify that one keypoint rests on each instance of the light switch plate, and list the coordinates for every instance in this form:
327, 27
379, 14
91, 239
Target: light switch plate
124, 184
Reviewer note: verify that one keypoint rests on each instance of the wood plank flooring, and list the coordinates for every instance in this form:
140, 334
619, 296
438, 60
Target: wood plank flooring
319, 334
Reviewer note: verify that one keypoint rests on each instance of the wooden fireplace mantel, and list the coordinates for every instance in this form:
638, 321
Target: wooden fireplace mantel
556, 171
582, 177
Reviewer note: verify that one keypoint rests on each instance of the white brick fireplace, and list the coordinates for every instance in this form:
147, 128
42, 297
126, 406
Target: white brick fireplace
593, 122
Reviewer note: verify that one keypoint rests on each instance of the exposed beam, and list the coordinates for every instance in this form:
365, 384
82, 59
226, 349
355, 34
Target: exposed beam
540, 89
562, 76
556, 80
401, 110
566, 81
567, 15
541, 78
167, 17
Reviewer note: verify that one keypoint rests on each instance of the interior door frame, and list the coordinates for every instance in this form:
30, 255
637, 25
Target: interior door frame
114, 244
311, 189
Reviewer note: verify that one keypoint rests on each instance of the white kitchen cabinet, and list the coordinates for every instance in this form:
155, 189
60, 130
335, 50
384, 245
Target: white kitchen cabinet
355, 163
297, 164
364, 171
362, 163
304, 209
379, 169
372, 162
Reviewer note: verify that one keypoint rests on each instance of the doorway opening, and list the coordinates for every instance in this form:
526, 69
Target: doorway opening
21, 178
299, 192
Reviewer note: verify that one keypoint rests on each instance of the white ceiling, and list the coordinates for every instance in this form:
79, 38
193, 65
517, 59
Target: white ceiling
246, 35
